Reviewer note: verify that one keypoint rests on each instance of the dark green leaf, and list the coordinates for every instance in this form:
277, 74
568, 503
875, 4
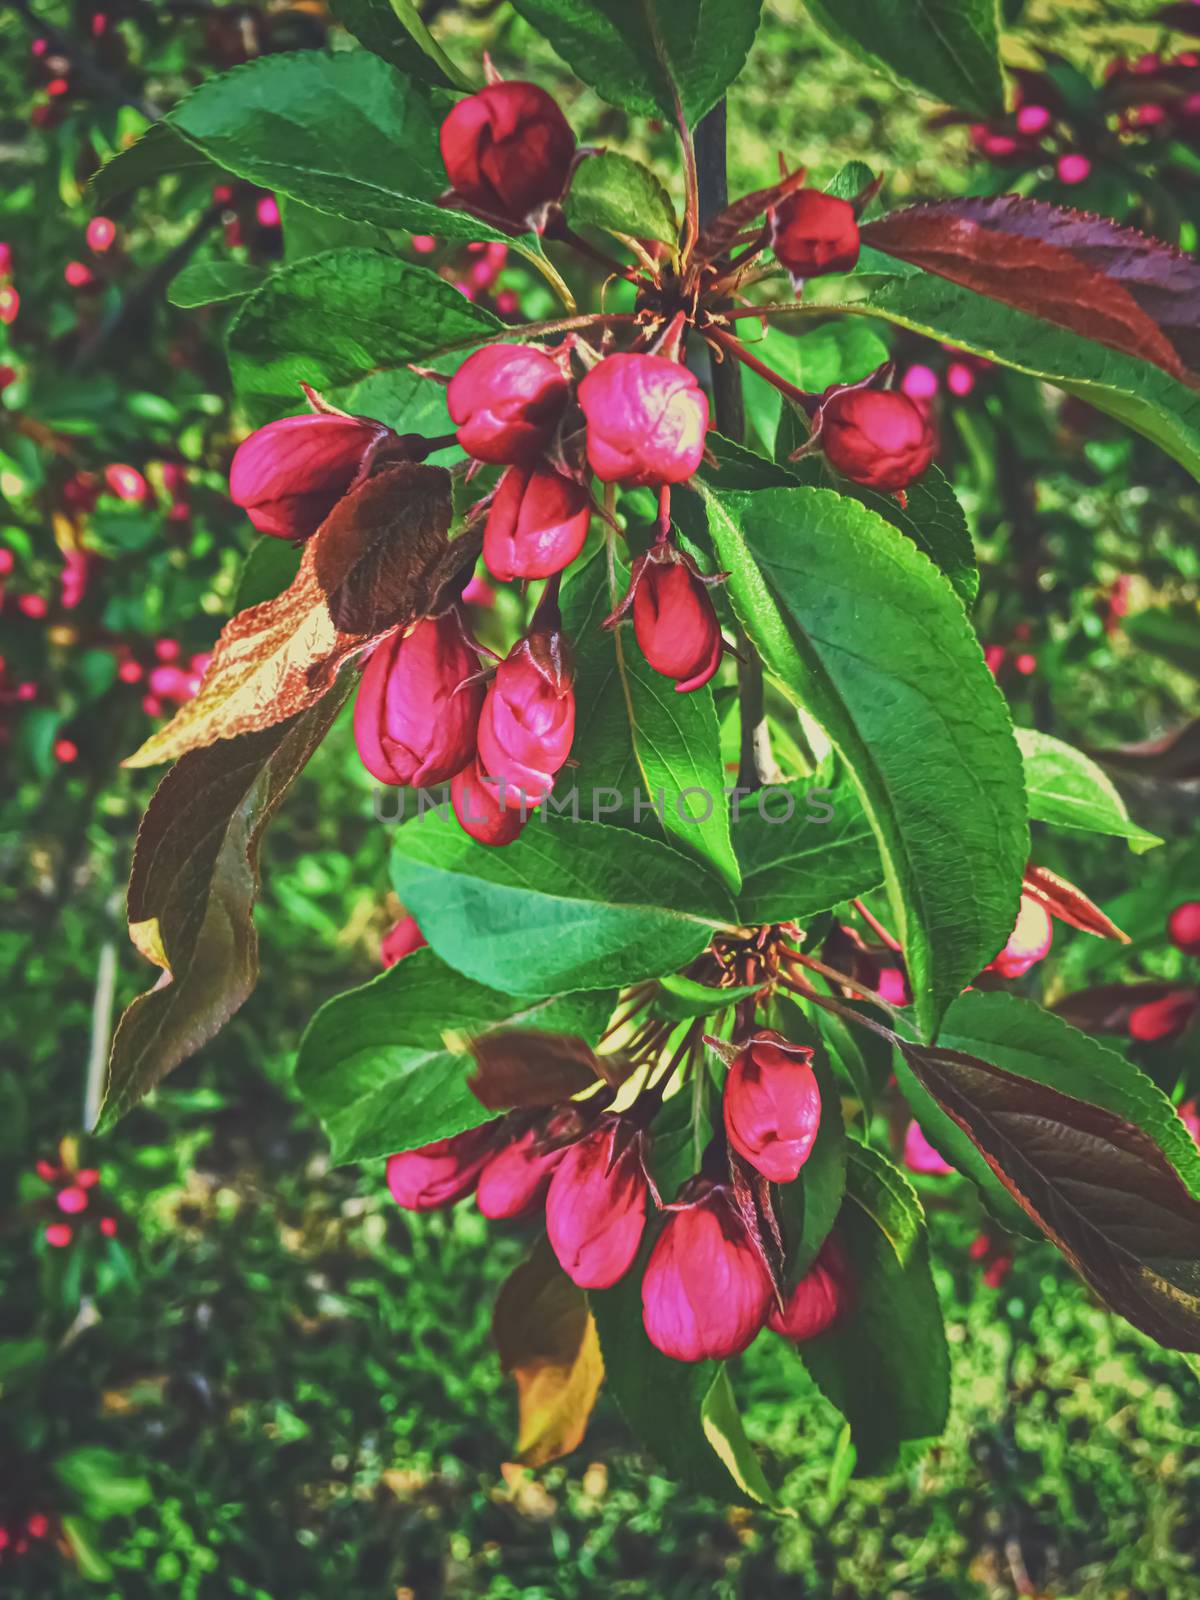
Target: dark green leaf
390, 312
270, 568
160, 150
950, 49
636, 734
393, 29
632, 52
105, 1483
886, 1367
192, 893
1068, 789
386, 1067
205, 283
794, 866
1172, 633
1087, 1145
687, 998
372, 154
861, 628
612, 191
934, 521
570, 905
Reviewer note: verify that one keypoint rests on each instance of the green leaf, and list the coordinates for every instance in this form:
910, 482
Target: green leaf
794, 867
632, 52
389, 313
1086, 1144
192, 893
269, 568
885, 1367
1172, 633
636, 734
205, 283
812, 359
570, 905
159, 151
376, 131
687, 998
612, 191
666, 1403
1136, 392
393, 29
934, 521
80, 1535
949, 49
107, 1484
385, 1067
1068, 789
308, 232
861, 629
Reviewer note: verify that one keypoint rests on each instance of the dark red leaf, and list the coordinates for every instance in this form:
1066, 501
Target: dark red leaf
1185, 17
1069, 904
1084, 273
1096, 1184
381, 559
1106, 1007
519, 1070
192, 893
1171, 758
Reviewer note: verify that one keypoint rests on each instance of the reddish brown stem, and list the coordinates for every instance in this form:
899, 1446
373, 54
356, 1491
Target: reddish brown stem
874, 923
726, 341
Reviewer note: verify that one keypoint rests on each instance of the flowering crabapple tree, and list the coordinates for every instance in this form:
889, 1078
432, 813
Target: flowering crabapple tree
731, 824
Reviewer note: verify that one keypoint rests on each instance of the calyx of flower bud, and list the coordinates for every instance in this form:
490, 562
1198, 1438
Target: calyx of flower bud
528, 718
674, 621
537, 523
507, 149
646, 420
417, 707
440, 1173
288, 476
773, 1105
878, 437
822, 1298
505, 401
1029, 941
813, 233
596, 1205
706, 1291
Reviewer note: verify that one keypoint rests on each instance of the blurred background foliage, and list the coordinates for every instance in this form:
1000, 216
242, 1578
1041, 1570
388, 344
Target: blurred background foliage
242, 1372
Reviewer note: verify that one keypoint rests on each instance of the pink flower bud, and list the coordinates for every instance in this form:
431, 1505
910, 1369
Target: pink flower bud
960, 380
876, 437
674, 620
79, 275
537, 523
1033, 119
416, 711
1029, 941
8, 375
819, 1300
596, 1205
516, 1179
72, 1200
1183, 927
10, 305
891, 985
59, 1235
1165, 1018
812, 233
266, 210
646, 420
6, 260
438, 1174
479, 810
705, 1292
505, 400
920, 382
288, 476
1189, 1115
528, 720
33, 606
401, 939
127, 483
479, 592
996, 1271
773, 1105
1074, 169
508, 149
920, 1156
101, 231
66, 751
108, 1227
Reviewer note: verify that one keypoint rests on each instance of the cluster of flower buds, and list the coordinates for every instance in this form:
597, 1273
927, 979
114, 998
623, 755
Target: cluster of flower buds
475, 270
20, 1535
76, 1202
992, 1257
707, 1288
250, 219
10, 300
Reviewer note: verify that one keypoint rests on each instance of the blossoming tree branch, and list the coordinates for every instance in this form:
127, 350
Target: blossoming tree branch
676, 535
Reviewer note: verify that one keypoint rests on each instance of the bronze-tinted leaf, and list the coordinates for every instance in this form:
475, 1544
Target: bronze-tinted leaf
547, 1341
1171, 758
1105, 1008
381, 559
519, 1070
1069, 904
981, 246
192, 893
1097, 1184
1163, 281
